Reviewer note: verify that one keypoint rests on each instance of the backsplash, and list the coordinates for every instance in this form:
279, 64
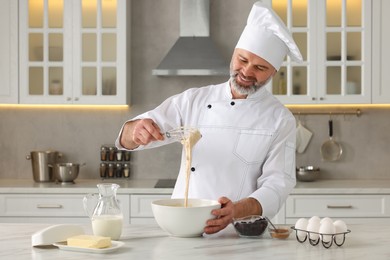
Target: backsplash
364, 142
79, 133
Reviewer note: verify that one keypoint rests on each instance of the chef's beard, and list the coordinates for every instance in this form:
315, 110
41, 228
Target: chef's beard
245, 90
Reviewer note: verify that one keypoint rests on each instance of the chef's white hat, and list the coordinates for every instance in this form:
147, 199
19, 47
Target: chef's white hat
266, 36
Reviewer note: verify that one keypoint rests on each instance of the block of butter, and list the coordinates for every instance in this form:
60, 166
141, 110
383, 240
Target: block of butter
89, 241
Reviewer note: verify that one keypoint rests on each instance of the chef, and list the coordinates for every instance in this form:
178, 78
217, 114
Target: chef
246, 156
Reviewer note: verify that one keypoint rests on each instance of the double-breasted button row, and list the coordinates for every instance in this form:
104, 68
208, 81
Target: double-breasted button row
231, 103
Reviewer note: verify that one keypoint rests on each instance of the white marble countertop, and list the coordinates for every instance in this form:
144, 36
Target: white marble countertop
146, 186
150, 242
127, 186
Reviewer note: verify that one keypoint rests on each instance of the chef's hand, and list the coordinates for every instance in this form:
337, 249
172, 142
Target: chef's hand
146, 131
224, 216
140, 132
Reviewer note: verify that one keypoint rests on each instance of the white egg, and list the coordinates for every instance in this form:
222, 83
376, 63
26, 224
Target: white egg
326, 219
340, 227
327, 230
313, 228
315, 219
302, 225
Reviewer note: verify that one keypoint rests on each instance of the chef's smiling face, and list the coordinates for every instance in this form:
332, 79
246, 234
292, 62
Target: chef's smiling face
248, 73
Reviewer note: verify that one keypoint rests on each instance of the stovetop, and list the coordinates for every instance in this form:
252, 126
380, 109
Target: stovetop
165, 183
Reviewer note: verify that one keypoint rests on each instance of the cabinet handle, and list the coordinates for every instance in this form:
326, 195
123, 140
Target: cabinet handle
313, 98
49, 206
339, 207
76, 99
321, 98
68, 99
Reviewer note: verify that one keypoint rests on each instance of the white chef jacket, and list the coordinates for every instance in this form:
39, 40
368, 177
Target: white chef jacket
247, 147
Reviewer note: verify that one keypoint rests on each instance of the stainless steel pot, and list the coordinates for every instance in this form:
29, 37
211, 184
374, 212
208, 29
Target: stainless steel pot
66, 172
307, 173
40, 161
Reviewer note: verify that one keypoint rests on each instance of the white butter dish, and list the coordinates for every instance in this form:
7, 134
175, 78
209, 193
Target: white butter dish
115, 246
55, 233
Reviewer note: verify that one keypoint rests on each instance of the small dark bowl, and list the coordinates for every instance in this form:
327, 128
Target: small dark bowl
250, 226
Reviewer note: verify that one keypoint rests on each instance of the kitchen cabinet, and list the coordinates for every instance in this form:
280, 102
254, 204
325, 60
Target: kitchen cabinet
73, 52
334, 37
50, 208
141, 209
9, 52
68, 208
354, 201
381, 52
350, 208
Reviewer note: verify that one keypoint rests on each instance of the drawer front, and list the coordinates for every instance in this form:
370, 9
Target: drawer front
141, 204
42, 205
353, 206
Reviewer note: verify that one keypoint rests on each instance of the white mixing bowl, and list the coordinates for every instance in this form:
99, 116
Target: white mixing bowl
180, 221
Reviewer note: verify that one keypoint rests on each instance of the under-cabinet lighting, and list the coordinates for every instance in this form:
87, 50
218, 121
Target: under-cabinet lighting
340, 106
69, 107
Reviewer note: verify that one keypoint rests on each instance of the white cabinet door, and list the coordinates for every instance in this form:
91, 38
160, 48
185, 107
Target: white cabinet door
141, 209
73, 52
381, 52
335, 41
9, 52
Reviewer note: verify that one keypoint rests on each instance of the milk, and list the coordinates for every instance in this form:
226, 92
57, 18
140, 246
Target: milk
107, 226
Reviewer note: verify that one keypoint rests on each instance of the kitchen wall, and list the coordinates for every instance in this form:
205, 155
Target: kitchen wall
79, 133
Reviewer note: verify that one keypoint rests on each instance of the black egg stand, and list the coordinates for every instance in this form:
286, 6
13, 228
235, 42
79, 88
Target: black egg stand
315, 242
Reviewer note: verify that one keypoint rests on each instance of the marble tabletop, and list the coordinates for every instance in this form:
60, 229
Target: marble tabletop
150, 242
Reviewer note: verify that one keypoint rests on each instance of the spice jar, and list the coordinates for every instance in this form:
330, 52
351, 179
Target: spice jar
103, 170
111, 153
118, 155
118, 170
127, 155
103, 153
126, 170
111, 170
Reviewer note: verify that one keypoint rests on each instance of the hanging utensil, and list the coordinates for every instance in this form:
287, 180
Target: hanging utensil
303, 137
330, 149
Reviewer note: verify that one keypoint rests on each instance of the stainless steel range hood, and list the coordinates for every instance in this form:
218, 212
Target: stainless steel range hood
194, 53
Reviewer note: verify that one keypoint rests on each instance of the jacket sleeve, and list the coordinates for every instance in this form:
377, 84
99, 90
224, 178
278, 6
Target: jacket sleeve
167, 116
278, 172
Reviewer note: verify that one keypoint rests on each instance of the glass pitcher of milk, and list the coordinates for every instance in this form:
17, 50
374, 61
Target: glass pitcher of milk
104, 211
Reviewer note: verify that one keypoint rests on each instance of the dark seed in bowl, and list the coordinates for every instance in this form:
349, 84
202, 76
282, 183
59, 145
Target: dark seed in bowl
255, 228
